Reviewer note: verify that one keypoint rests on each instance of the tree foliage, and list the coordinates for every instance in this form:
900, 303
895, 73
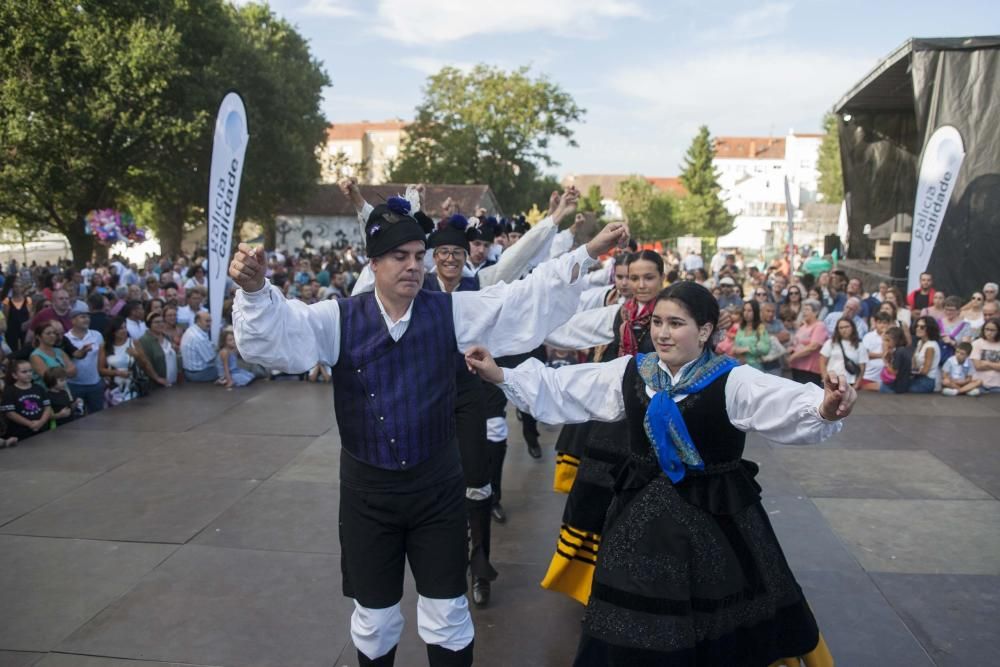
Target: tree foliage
831, 176
702, 211
652, 215
112, 103
591, 202
487, 126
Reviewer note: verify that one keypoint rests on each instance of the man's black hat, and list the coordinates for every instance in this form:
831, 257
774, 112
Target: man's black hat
483, 230
519, 225
453, 231
390, 225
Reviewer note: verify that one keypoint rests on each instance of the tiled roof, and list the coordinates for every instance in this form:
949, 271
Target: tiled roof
750, 148
609, 183
671, 184
357, 131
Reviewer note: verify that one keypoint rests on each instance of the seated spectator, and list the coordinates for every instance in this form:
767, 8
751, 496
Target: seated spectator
897, 362
816, 294
842, 354
927, 357
230, 374
198, 355
86, 342
195, 279
986, 356
972, 313
852, 308
47, 353
120, 360
807, 343
936, 309
24, 404
155, 347
957, 373
65, 408
889, 308
954, 329
752, 340
872, 351
903, 313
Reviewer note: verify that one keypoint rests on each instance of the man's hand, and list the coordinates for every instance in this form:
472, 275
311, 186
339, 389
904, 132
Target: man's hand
613, 235
450, 207
481, 362
247, 268
553, 203
838, 397
349, 186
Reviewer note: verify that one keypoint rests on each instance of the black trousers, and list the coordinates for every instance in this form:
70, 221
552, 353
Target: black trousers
380, 531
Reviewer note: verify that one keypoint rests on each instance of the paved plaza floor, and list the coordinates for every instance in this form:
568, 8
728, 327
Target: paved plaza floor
199, 527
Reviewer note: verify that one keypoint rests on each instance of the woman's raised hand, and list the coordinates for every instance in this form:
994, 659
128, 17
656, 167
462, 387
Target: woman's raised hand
481, 362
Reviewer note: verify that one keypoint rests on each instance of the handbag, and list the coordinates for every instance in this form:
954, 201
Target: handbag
850, 366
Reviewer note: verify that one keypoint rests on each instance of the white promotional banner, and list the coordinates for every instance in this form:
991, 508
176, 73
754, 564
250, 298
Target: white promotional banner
939, 167
228, 149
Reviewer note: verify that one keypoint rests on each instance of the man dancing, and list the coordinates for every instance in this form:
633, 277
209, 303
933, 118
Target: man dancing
393, 352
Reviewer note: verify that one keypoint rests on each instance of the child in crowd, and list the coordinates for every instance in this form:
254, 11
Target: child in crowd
64, 407
897, 360
871, 347
26, 405
957, 373
231, 375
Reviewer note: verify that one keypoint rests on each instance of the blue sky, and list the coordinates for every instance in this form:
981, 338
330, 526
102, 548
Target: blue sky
648, 73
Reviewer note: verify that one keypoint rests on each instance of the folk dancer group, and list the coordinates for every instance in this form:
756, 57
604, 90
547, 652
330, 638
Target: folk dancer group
681, 566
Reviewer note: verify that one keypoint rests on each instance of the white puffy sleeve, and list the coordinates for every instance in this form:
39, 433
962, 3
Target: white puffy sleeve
567, 395
516, 260
593, 298
779, 409
515, 318
285, 335
587, 328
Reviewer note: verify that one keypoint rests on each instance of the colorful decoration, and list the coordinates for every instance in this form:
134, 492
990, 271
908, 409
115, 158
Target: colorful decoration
109, 226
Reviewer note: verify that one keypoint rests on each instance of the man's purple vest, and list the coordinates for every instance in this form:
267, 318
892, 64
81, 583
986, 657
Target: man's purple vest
395, 400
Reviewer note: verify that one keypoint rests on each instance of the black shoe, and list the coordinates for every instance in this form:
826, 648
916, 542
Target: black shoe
534, 449
480, 592
498, 513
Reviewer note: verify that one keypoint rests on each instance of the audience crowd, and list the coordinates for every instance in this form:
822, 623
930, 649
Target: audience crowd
74, 342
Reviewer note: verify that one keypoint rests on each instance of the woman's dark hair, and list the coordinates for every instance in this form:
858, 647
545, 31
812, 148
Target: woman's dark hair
152, 316
192, 270
40, 328
116, 323
53, 375
853, 338
697, 301
623, 259
995, 322
931, 327
755, 307
897, 336
701, 275
649, 256
132, 305
807, 280
953, 302
895, 310
672, 276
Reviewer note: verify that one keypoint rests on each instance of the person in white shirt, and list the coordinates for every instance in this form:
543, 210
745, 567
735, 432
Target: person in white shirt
686, 501
927, 357
851, 309
135, 319
195, 304
197, 351
693, 261
842, 354
87, 383
871, 346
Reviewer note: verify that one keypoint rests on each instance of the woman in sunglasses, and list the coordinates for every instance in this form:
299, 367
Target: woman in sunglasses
972, 313
927, 358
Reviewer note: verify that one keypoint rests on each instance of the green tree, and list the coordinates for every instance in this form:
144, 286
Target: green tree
831, 176
591, 202
487, 126
651, 215
108, 103
702, 211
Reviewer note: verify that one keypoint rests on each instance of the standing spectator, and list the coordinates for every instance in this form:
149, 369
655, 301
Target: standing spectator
152, 344
693, 261
195, 304
196, 278
135, 316
954, 329
761, 295
897, 362
794, 299
24, 404
923, 296
59, 311
17, 310
87, 342
197, 352
808, 341
230, 374
119, 301
957, 373
98, 317
730, 297
927, 357
728, 339
65, 408
752, 340
47, 353
152, 290
872, 351
986, 356
842, 353
816, 294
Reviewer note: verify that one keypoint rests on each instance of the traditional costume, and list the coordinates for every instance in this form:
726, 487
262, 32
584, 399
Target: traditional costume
690, 572
402, 486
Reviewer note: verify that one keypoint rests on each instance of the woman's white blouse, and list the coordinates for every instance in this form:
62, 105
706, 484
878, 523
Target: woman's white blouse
779, 409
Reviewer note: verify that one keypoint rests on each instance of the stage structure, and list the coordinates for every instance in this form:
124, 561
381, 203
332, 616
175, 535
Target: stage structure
885, 122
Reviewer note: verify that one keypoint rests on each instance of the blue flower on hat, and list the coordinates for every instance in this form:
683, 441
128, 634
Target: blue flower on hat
398, 205
458, 221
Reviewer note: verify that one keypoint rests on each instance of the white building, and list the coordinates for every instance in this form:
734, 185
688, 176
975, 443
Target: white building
751, 174
363, 150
